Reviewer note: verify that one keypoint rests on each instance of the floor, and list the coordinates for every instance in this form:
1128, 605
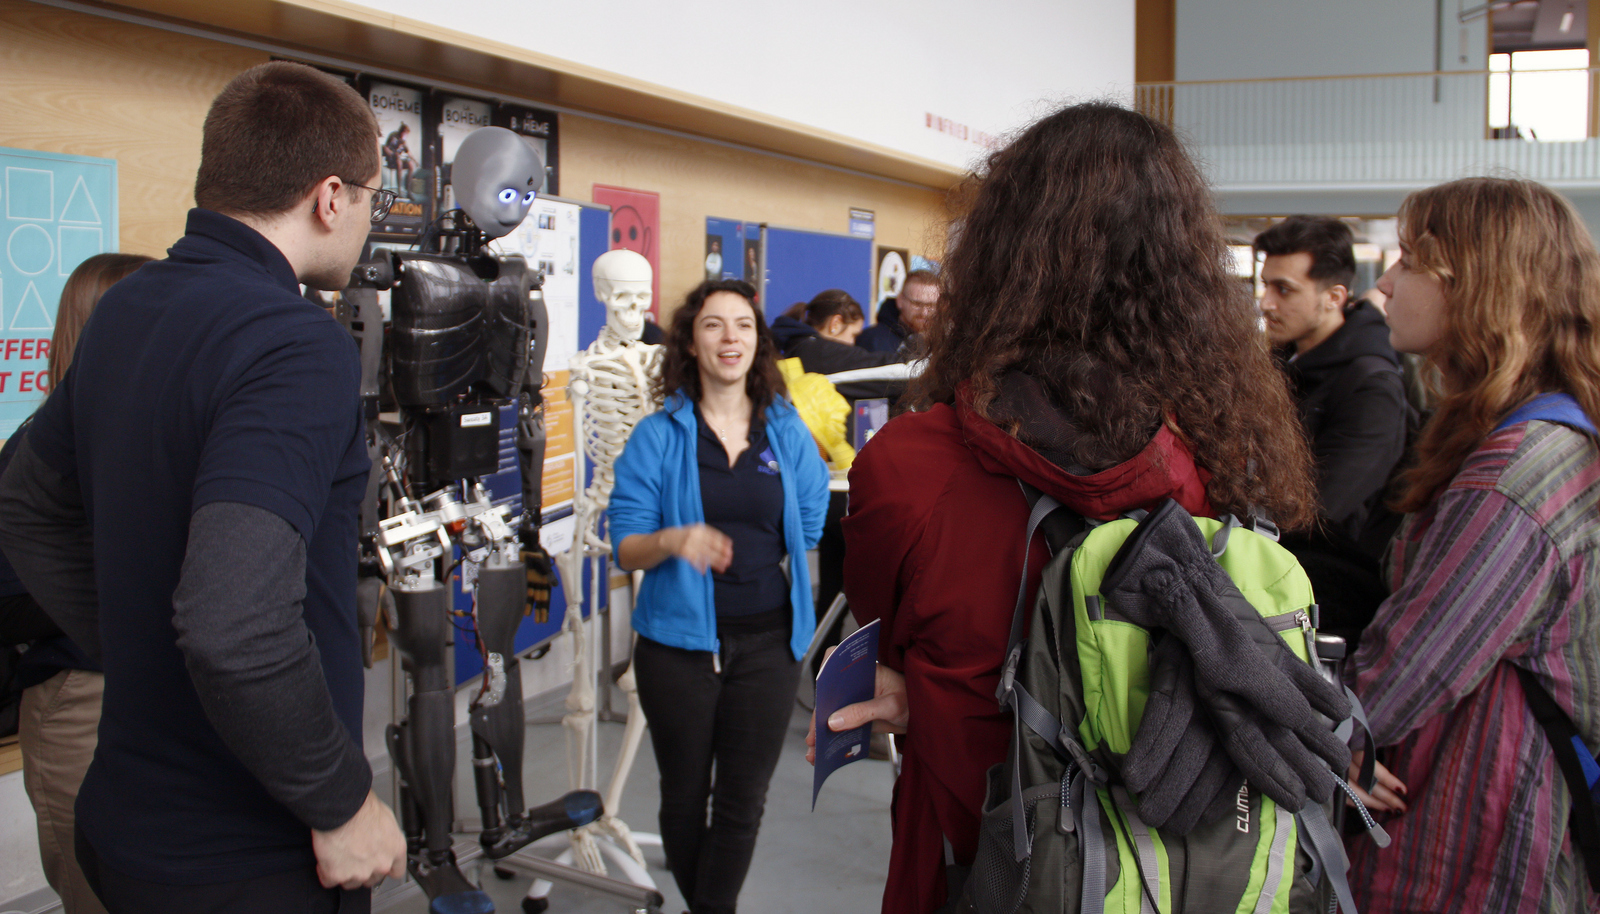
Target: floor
832, 859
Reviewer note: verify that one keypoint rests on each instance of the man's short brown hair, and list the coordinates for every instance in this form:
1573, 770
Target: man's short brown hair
274, 132
922, 277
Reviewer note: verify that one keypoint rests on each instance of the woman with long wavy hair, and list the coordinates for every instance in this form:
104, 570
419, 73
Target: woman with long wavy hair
1091, 342
718, 496
1494, 570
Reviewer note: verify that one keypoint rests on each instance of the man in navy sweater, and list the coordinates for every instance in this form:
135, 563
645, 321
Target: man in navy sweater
185, 506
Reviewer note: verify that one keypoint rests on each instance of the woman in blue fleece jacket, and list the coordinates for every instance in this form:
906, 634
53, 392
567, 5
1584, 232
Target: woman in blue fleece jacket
718, 496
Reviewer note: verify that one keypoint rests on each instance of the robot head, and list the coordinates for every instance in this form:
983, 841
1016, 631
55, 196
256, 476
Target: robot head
622, 283
496, 177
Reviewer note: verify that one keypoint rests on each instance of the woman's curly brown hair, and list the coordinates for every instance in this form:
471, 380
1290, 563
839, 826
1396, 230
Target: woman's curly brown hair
1092, 259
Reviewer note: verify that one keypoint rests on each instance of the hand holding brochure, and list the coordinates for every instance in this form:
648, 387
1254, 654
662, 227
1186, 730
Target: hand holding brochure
848, 676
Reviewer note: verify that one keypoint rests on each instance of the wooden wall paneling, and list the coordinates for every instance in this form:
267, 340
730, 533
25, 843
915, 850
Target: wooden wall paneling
698, 179
1155, 41
87, 85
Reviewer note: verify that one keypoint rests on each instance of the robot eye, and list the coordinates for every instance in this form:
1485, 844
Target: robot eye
508, 195
528, 197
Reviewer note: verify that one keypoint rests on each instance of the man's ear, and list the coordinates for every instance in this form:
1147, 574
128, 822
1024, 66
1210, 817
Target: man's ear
328, 201
1338, 295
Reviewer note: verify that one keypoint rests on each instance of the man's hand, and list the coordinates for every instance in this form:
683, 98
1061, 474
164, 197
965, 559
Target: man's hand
887, 710
362, 851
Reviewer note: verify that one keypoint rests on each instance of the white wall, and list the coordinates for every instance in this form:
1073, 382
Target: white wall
1271, 39
872, 71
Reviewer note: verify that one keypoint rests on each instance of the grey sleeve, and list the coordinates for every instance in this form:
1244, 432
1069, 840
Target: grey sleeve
45, 533
237, 611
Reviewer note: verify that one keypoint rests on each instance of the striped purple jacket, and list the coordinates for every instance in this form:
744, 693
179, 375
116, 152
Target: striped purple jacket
1500, 570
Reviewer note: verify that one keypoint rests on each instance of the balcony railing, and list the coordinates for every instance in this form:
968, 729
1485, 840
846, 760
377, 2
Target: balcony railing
1395, 130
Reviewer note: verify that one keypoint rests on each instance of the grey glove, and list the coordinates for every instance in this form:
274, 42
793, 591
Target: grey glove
1175, 764
1261, 697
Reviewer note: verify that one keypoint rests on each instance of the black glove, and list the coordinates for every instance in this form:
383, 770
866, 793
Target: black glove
1250, 683
1175, 764
541, 577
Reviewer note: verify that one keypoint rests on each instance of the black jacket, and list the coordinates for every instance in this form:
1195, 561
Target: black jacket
888, 333
1352, 402
825, 356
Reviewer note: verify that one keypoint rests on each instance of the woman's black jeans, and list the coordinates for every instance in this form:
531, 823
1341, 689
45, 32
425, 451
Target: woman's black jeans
717, 737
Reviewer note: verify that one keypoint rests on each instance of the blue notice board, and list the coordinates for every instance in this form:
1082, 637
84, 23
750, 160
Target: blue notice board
734, 248
799, 264
59, 211
594, 239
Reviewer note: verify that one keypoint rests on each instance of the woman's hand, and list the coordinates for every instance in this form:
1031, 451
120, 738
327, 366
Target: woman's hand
887, 710
1386, 791
702, 546
698, 544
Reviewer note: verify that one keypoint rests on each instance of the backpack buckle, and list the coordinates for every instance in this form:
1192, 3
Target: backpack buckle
1008, 676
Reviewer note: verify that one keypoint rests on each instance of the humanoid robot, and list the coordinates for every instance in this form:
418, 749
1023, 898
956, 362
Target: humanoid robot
610, 390
465, 340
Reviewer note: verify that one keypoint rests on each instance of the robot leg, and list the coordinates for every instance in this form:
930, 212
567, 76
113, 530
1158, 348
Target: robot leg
498, 727
424, 747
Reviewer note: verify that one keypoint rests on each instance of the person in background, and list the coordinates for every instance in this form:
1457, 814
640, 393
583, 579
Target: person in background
186, 506
61, 686
832, 321
1495, 566
1087, 357
715, 494
821, 333
904, 316
1350, 395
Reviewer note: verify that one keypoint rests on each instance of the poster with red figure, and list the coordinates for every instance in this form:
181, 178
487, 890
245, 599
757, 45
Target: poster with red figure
636, 226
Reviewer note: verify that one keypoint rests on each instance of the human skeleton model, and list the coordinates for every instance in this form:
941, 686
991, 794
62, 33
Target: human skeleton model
610, 389
465, 338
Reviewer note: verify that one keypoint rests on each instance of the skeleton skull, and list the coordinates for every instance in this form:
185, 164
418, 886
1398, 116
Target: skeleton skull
622, 284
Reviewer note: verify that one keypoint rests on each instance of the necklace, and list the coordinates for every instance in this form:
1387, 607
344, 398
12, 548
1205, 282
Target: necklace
722, 434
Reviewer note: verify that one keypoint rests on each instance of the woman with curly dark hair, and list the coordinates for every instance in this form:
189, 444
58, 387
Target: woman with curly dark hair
716, 494
1092, 343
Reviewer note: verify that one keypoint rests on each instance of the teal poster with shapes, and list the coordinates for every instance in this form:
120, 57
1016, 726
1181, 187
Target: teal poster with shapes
59, 210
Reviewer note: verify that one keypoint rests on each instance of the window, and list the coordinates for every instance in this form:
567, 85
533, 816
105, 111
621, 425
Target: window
1541, 95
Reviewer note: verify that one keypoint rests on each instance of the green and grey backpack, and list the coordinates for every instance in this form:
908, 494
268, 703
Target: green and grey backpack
1060, 830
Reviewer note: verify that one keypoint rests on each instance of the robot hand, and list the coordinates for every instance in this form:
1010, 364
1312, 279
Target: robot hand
541, 577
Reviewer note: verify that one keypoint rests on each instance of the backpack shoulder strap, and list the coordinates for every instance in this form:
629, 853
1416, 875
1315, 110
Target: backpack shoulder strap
1060, 526
1559, 407
1577, 766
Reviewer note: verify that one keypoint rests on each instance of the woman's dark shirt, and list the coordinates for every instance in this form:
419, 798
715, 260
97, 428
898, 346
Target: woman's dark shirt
745, 502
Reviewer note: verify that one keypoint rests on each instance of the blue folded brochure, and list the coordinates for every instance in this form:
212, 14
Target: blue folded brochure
848, 676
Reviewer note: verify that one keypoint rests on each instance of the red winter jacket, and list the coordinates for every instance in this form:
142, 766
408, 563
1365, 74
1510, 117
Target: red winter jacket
934, 549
